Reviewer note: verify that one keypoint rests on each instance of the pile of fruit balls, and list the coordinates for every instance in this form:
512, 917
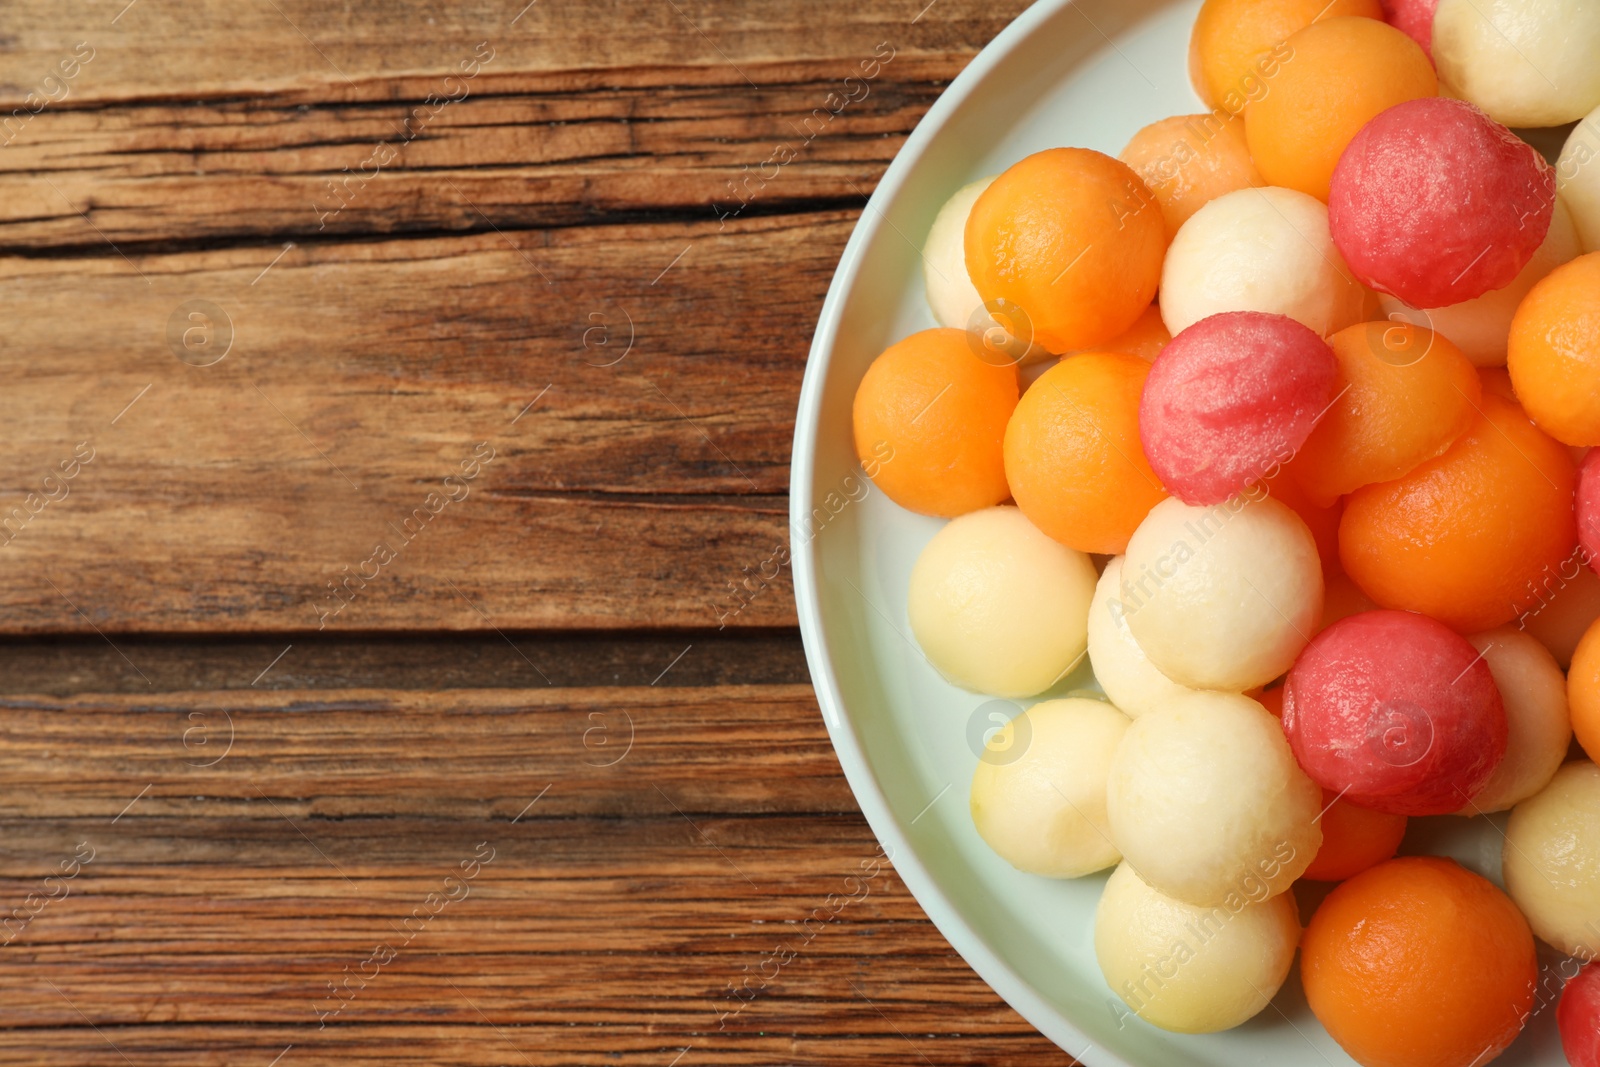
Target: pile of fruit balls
1284, 419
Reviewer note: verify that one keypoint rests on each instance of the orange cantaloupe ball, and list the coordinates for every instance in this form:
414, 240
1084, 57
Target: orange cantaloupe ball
1231, 45
1583, 691
1418, 962
1072, 452
930, 419
1074, 241
1343, 74
1553, 354
1466, 537
1353, 839
1145, 338
1190, 160
1404, 395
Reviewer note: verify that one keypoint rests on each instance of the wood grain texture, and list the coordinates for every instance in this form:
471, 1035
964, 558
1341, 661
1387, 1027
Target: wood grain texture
467, 754
360, 377
163, 174
608, 912
364, 366
314, 53
635, 1045
63, 666
173, 932
547, 264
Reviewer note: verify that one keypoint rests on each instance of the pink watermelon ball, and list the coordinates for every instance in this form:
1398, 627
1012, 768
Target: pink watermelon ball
1578, 1018
1435, 203
1230, 399
1395, 712
1414, 18
1589, 507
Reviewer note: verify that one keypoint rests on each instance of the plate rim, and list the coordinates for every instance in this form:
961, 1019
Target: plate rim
995, 971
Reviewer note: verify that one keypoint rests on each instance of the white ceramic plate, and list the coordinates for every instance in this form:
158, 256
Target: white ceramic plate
1062, 74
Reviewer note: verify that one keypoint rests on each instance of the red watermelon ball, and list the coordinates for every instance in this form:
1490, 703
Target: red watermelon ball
1230, 399
1434, 202
1395, 712
1588, 502
1414, 18
1578, 1018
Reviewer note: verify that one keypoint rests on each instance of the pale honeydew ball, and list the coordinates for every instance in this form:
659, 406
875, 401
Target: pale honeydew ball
1551, 860
952, 297
1525, 62
1535, 694
1120, 666
1222, 597
998, 607
1206, 801
1578, 179
1039, 793
1481, 327
1266, 250
1188, 969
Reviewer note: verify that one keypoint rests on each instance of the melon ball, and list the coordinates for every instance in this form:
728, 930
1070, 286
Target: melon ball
1578, 1017
1044, 810
1205, 800
1230, 400
1222, 597
1551, 860
1236, 48
1583, 691
1587, 502
1342, 73
1566, 604
952, 297
929, 421
1578, 178
1525, 62
1266, 250
1414, 18
1120, 666
1072, 455
1001, 336
1343, 599
998, 607
1539, 728
1482, 326
1187, 969
1073, 241
1190, 160
1145, 338
1396, 712
1435, 203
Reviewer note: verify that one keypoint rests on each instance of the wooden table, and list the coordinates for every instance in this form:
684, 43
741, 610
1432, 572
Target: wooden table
393, 393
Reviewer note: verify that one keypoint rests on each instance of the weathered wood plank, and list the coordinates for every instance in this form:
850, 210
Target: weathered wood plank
360, 377
463, 754
639, 884
235, 892
872, 1044
586, 937
483, 1046
247, 171
313, 52
222, 899
284, 470
65, 665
